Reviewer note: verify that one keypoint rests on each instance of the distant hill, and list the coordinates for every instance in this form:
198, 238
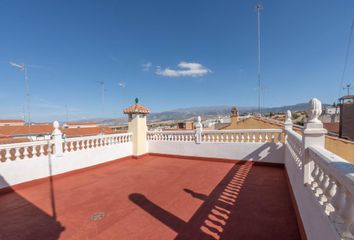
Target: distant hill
205, 112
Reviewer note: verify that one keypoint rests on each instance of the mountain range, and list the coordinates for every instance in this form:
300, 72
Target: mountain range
205, 112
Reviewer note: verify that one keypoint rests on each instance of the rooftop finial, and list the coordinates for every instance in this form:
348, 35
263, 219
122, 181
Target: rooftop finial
136, 100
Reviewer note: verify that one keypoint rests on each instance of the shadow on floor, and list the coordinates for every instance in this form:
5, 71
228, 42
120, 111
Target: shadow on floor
20, 219
250, 202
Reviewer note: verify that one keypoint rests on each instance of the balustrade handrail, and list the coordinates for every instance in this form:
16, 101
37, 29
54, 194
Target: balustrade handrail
337, 167
25, 144
172, 132
294, 134
270, 130
75, 139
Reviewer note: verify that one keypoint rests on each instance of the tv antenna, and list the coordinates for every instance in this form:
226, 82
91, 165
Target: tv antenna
259, 7
103, 90
348, 87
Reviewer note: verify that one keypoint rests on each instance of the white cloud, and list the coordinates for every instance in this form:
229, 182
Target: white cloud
146, 66
186, 69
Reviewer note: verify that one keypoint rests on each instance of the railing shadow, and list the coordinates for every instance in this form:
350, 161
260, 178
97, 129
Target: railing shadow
233, 210
266, 153
21, 219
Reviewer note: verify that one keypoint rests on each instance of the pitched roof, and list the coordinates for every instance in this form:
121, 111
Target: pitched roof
81, 123
332, 127
136, 108
11, 121
39, 129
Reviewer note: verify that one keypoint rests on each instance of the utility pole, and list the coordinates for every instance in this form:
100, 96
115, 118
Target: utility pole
102, 96
348, 87
102, 101
259, 7
66, 113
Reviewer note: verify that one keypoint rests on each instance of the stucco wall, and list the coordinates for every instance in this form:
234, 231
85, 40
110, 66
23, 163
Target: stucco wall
260, 152
19, 171
316, 223
341, 147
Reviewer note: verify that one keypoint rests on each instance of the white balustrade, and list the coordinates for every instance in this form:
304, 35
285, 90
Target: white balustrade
20, 151
218, 136
332, 184
294, 144
90, 142
178, 136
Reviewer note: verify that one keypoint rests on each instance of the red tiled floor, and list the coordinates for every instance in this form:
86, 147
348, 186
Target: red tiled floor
155, 198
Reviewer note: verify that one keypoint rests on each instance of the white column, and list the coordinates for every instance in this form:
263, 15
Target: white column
137, 126
313, 135
57, 137
288, 124
198, 131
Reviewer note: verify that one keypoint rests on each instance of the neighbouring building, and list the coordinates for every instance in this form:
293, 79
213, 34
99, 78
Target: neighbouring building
346, 125
81, 124
11, 122
187, 125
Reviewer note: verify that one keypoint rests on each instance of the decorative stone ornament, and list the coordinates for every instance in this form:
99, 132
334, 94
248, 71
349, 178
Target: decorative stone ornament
198, 130
288, 117
314, 111
57, 136
288, 121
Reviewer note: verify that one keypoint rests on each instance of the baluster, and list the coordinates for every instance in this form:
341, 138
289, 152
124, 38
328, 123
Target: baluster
279, 137
217, 137
324, 184
66, 147
266, 138
260, 138
318, 190
227, 137
41, 150
272, 137
248, 136
242, 137
211, 137
221, 137
338, 202
314, 174
236, 137
17, 154
8, 154
329, 193
25, 152
253, 137
232, 138
347, 215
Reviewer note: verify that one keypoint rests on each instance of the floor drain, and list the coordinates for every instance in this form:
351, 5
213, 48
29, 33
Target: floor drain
97, 216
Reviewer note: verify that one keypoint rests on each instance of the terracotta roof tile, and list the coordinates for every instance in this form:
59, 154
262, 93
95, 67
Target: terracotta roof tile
136, 108
11, 121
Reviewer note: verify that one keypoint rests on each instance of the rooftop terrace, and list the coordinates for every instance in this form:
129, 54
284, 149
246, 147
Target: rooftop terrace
155, 197
202, 184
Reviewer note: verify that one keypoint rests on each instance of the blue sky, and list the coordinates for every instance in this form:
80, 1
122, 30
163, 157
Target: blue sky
69, 46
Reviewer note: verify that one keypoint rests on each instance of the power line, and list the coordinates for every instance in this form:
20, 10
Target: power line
346, 59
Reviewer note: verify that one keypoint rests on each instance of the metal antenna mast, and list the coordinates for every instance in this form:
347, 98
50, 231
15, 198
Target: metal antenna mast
348, 87
102, 96
259, 7
66, 113
23, 67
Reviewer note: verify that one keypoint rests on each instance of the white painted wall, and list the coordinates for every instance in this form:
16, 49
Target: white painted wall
259, 152
316, 223
23, 170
